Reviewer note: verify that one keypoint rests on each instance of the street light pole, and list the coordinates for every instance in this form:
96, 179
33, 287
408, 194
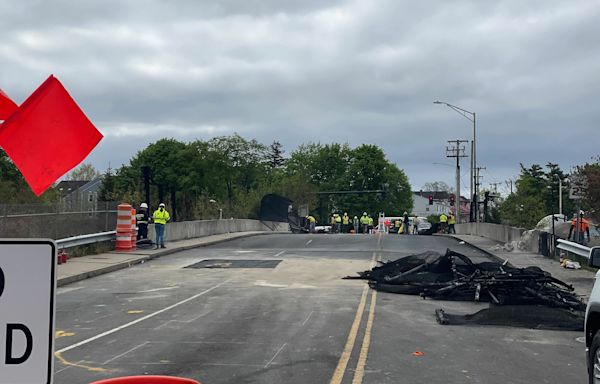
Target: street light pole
471, 116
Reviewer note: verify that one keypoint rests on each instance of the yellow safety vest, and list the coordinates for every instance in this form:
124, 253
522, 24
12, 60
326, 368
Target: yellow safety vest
451, 220
311, 219
161, 217
345, 220
364, 220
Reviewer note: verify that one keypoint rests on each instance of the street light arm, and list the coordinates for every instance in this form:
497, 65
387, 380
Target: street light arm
459, 110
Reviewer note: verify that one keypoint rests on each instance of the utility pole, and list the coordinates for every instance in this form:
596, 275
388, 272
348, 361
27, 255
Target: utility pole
559, 196
495, 186
477, 183
456, 150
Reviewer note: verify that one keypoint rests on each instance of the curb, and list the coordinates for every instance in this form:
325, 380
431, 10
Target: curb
488, 253
127, 264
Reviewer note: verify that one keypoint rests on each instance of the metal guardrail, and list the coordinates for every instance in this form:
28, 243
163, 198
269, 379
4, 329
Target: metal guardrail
91, 238
575, 248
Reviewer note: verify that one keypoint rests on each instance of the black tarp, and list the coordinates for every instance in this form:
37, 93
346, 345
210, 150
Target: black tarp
275, 208
528, 297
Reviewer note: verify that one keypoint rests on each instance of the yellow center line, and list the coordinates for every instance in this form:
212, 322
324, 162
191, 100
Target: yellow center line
68, 363
338, 374
364, 349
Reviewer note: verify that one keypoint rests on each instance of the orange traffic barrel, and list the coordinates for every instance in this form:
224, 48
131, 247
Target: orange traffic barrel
147, 380
124, 218
123, 241
123, 227
133, 230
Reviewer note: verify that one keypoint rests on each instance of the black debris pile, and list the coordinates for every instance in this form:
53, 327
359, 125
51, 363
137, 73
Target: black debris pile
527, 316
454, 276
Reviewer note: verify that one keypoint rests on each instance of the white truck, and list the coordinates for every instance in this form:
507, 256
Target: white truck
592, 322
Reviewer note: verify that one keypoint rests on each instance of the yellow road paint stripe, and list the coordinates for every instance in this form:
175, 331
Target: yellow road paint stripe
338, 374
68, 363
135, 311
340, 369
59, 334
364, 349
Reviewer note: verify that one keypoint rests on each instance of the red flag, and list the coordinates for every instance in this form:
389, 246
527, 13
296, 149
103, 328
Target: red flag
7, 106
48, 135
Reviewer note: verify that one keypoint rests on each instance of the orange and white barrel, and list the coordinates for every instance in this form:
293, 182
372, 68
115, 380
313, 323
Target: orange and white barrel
124, 227
133, 230
123, 241
124, 218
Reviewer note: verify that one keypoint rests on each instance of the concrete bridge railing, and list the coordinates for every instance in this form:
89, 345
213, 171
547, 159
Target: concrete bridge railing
183, 230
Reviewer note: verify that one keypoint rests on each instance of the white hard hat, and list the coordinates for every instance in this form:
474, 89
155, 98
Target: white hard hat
161, 204
365, 213
143, 205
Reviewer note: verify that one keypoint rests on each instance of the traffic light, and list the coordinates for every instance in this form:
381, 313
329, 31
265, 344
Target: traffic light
452, 200
430, 200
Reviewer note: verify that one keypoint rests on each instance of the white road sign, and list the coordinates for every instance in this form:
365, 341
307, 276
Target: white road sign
578, 187
27, 285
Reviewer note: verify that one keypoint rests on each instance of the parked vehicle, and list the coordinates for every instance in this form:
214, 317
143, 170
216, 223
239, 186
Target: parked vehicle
592, 322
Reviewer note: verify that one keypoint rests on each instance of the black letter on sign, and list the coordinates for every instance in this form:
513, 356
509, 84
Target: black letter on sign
9, 340
1, 281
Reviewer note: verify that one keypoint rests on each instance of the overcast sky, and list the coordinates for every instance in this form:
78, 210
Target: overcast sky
322, 70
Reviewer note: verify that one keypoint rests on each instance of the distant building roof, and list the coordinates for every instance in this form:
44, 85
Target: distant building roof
437, 195
66, 187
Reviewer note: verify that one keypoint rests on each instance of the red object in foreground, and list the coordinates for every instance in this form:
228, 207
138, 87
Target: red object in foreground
48, 135
147, 380
7, 106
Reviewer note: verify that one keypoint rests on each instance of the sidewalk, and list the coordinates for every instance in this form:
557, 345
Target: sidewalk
581, 279
81, 268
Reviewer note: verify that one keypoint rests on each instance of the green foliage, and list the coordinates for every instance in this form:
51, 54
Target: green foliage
536, 196
591, 202
236, 173
337, 167
15, 190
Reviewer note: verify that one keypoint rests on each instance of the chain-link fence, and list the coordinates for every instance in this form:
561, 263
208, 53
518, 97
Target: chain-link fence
56, 221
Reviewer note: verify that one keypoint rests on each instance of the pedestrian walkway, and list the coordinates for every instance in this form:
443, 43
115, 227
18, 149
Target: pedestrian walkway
81, 268
581, 279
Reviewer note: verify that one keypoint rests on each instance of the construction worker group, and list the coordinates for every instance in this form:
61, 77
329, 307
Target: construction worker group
345, 223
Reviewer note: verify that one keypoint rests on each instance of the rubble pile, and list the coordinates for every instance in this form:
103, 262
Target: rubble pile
453, 276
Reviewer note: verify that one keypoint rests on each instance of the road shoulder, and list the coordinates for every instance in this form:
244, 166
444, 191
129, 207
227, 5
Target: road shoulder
85, 267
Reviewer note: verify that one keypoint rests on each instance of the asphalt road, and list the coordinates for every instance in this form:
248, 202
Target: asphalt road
295, 323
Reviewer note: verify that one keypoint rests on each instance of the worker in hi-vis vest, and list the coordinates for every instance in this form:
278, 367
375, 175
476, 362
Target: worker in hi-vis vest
160, 218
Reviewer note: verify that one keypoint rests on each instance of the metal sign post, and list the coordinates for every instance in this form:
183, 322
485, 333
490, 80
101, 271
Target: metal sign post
27, 289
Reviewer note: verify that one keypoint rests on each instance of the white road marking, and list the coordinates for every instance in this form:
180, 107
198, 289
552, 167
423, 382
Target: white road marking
130, 299
124, 353
308, 242
159, 289
151, 315
245, 251
274, 356
60, 291
280, 253
262, 283
305, 321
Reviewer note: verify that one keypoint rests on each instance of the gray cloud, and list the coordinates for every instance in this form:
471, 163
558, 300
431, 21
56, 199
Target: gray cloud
355, 71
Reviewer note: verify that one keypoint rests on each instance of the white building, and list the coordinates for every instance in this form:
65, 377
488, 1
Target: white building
422, 208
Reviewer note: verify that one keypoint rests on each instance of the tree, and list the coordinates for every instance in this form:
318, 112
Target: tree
84, 171
276, 159
536, 196
437, 186
591, 200
13, 187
